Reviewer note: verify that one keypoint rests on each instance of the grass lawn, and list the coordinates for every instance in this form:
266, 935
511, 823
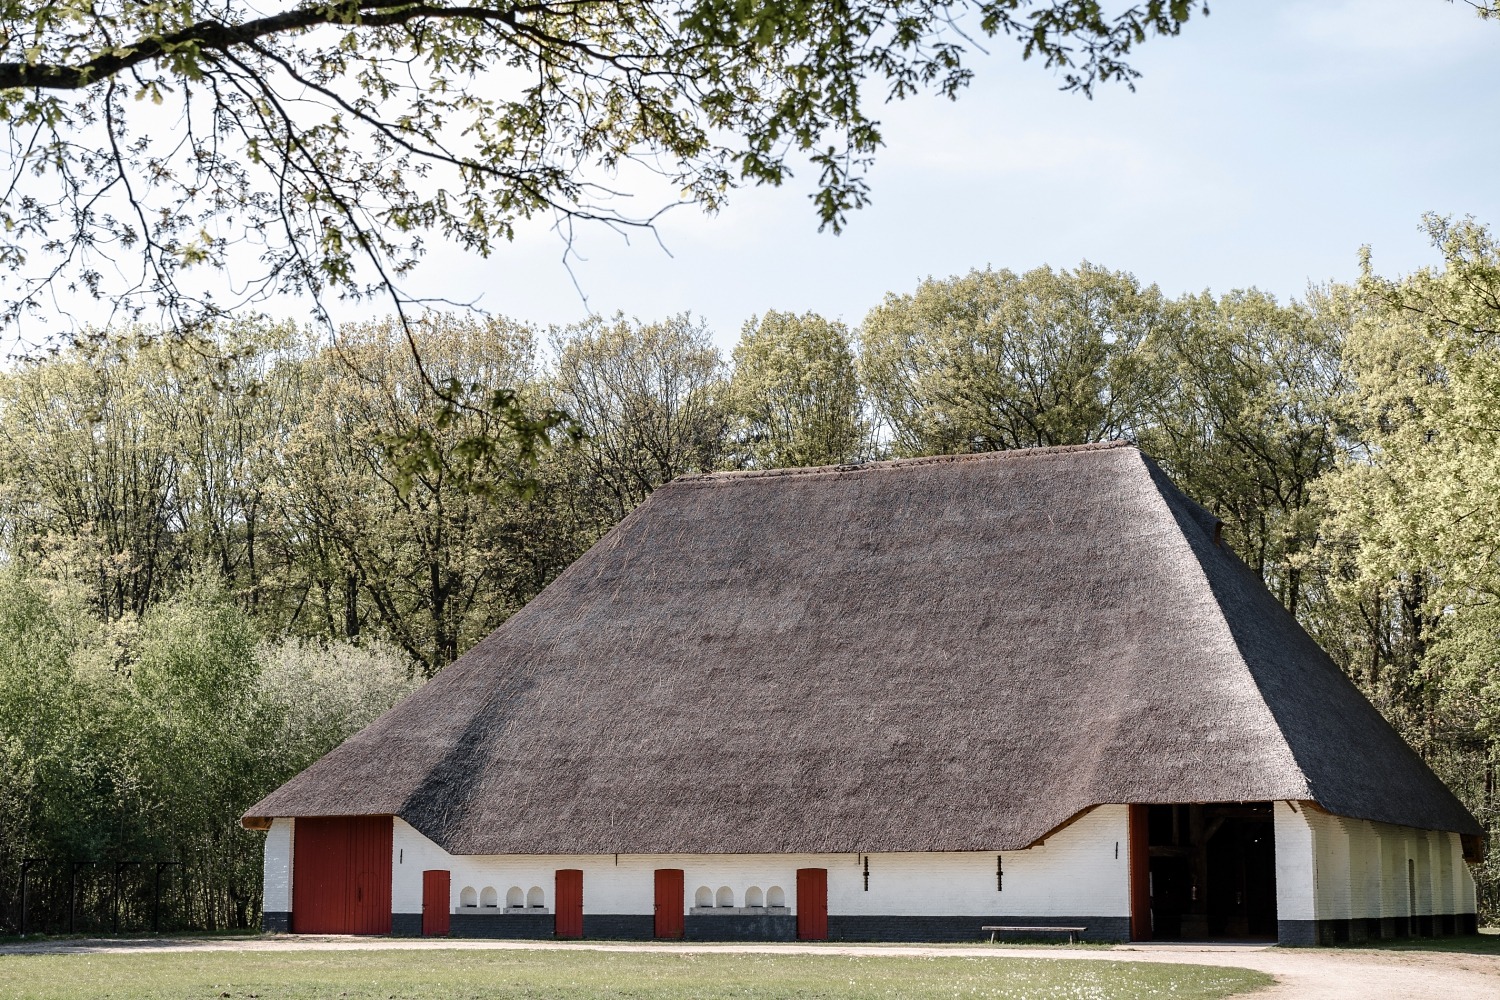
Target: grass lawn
541, 975
1486, 942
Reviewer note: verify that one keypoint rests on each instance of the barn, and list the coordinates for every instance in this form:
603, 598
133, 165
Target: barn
905, 700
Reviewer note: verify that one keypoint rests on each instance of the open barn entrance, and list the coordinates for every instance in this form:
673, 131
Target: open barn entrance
1205, 871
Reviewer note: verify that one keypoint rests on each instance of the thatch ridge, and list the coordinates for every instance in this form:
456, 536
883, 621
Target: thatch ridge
844, 469
932, 654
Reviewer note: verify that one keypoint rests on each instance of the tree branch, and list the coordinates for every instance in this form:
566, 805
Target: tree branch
218, 36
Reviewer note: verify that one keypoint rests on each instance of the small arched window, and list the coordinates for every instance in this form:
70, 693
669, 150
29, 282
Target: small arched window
535, 898
775, 896
724, 897
515, 898
754, 897
489, 897
704, 896
468, 897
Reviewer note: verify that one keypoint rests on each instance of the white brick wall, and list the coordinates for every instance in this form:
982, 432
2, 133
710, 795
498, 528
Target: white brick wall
1331, 868
1366, 876
1442, 875
1327, 867
1081, 871
1331, 838
1425, 874
1296, 869
277, 891
1393, 877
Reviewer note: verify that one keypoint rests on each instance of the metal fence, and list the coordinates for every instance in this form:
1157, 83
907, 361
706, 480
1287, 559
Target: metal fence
91, 896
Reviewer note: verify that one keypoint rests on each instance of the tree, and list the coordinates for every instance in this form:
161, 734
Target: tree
88, 471
995, 360
649, 400
1414, 511
795, 393
128, 460
1242, 415
319, 146
148, 738
435, 555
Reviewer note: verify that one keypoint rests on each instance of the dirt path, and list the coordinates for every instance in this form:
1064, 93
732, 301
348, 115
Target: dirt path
1301, 974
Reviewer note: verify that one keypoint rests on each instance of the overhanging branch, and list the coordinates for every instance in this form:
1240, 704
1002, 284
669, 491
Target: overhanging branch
219, 36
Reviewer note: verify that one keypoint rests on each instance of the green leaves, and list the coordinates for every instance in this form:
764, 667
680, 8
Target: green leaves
649, 400
488, 435
795, 395
1413, 511
993, 360
337, 137
149, 739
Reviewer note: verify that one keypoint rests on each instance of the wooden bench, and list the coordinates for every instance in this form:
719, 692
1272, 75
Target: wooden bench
1070, 931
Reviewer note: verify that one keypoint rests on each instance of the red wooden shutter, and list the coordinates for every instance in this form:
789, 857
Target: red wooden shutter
812, 904
435, 899
341, 875
568, 921
1140, 873
669, 902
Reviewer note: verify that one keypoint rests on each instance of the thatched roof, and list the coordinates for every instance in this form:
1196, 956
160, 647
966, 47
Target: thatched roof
939, 654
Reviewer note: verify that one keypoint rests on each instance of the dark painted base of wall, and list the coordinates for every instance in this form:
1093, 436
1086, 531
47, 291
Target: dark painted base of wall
1317, 933
740, 927
848, 928
619, 926
783, 927
501, 925
753, 927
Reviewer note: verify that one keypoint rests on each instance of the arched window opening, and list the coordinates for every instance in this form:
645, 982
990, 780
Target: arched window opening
724, 897
755, 898
704, 896
515, 898
535, 898
776, 896
468, 897
489, 897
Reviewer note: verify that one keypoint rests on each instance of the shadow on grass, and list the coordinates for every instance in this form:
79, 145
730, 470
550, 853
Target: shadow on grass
235, 932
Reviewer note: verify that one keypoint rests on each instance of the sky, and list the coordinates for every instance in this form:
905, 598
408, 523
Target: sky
1263, 147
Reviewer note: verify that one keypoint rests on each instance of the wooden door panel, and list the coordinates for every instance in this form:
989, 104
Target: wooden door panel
669, 902
435, 903
568, 919
341, 875
812, 904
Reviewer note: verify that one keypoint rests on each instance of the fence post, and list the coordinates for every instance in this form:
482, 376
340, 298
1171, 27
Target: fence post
72, 896
114, 924
25, 865
156, 902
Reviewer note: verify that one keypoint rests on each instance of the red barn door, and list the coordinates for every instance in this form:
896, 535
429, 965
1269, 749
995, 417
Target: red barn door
435, 903
568, 923
812, 904
341, 875
669, 902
